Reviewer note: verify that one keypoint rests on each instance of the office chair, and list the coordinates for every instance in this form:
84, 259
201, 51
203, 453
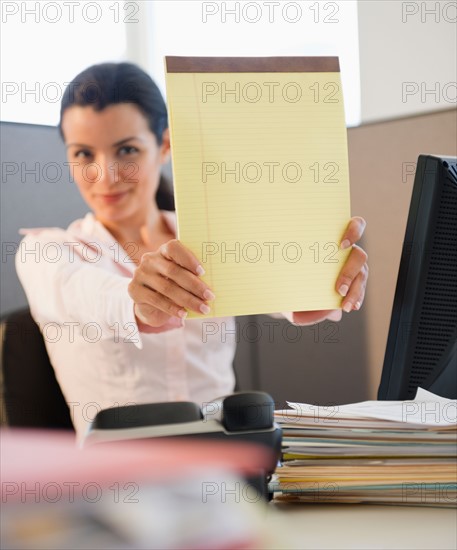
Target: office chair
31, 395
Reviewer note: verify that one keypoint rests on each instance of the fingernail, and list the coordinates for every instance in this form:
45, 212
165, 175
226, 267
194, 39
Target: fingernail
343, 290
345, 244
205, 309
357, 306
182, 313
208, 295
200, 271
347, 307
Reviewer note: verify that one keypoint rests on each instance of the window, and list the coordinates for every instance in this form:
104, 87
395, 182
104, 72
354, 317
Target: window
44, 45
262, 28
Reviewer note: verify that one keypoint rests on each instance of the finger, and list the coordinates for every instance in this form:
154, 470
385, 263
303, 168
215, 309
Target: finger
148, 317
356, 260
334, 315
142, 294
174, 251
316, 316
356, 294
354, 232
151, 264
176, 294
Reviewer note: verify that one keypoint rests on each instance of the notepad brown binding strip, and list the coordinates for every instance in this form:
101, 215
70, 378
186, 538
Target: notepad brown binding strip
252, 64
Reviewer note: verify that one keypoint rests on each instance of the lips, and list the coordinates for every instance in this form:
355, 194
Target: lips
113, 197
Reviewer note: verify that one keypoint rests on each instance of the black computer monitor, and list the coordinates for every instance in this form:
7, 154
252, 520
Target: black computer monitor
422, 342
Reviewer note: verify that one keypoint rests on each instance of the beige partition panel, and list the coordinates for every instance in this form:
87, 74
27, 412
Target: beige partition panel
382, 158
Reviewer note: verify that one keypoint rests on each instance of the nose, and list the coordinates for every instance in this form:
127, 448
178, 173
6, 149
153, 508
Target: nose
104, 171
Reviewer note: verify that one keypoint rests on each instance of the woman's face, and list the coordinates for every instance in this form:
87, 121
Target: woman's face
115, 160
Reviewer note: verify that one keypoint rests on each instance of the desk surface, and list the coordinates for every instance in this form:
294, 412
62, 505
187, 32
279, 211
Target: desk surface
364, 527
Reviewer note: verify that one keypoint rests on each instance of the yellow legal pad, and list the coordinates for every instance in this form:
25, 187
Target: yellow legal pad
261, 179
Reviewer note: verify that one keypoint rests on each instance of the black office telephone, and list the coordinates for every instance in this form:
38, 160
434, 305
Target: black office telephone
242, 416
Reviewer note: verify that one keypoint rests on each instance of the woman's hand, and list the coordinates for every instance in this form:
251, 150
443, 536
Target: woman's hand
166, 283
351, 281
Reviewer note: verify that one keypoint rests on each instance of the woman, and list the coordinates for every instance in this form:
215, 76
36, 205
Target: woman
117, 291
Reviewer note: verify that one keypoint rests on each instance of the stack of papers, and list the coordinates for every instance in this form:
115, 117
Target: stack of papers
390, 452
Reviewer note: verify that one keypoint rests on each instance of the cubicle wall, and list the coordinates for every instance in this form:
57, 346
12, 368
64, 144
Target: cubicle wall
382, 160
36, 191
329, 363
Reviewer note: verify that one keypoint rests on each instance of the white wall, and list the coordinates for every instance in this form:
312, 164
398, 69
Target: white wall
408, 59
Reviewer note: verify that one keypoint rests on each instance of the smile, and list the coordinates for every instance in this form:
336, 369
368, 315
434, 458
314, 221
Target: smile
113, 197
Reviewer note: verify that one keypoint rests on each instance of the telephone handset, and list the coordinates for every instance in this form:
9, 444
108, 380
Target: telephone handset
242, 416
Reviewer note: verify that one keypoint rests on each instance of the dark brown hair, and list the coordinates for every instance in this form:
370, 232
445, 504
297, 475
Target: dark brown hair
110, 83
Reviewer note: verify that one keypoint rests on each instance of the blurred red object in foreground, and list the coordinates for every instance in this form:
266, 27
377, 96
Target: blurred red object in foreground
183, 493
36, 455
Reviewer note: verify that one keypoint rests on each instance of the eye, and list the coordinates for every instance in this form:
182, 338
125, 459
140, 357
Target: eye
83, 154
128, 150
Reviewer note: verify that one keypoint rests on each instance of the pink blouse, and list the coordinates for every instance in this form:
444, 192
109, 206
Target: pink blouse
76, 283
